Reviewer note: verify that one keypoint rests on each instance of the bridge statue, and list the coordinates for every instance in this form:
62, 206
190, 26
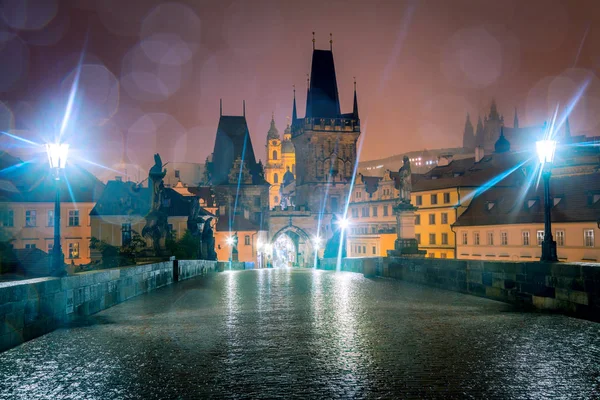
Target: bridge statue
156, 220
208, 241
404, 182
332, 247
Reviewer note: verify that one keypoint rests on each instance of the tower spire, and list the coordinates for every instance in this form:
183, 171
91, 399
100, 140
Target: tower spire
330, 41
220, 107
313, 40
355, 109
294, 114
244, 107
516, 121
468, 135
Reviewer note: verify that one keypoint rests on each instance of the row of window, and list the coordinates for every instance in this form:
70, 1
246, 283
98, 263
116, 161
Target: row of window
72, 246
367, 211
444, 217
559, 237
362, 249
433, 238
433, 199
386, 192
364, 230
31, 218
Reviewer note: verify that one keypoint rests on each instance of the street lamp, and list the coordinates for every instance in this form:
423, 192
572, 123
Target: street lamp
545, 150
232, 242
57, 157
344, 223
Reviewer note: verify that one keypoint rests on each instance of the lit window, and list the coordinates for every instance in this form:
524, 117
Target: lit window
417, 219
73, 217
385, 211
465, 239
125, 234
50, 217
490, 238
74, 250
30, 246
588, 236
504, 238
247, 240
444, 238
432, 238
560, 238
444, 218
276, 178
434, 199
30, 217
540, 237
446, 198
374, 211
431, 219
419, 200
8, 218
525, 236
443, 255
476, 238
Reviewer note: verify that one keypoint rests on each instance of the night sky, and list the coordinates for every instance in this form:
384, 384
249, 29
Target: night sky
154, 71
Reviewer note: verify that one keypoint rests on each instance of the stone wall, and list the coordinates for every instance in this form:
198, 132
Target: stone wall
362, 265
573, 288
33, 307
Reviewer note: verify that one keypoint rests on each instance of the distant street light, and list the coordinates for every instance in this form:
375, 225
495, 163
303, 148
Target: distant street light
232, 241
545, 150
57, 157
344, 223
317, 242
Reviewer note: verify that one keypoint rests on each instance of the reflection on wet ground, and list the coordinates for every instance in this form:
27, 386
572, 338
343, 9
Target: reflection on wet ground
307, 334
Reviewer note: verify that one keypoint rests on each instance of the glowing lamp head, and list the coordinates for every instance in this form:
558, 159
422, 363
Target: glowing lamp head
545, 150
57, 154
317, 242
230, 240
259, 245
344, 223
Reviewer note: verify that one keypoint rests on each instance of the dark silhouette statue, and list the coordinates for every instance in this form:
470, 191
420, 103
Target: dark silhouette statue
332, 247
208, 241
156, 220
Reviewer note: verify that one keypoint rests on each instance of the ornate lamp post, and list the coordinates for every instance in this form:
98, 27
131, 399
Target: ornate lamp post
57, 157
545, 150
232, 241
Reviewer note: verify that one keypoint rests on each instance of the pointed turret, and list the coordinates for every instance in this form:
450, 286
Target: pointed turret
567, 129
516, 121
273, 132
494, 111
294, 113
322, 99
502, 145
479, 139
468, 135
355, 109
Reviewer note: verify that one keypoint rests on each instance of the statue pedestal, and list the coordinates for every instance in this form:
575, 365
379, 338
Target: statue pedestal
406, 244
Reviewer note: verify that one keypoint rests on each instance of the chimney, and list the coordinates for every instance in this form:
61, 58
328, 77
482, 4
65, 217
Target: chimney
478, 153
444, 159
119, 178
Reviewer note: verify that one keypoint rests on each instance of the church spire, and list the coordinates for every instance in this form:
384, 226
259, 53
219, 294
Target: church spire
516, 121
494, 111
567, 128
479, 139
294, 113
273, 132
355, 109
468, 135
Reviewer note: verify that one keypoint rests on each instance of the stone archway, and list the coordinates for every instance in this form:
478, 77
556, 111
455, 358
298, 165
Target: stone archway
296, 241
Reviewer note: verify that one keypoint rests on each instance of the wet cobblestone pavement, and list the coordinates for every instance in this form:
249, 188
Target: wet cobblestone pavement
307, 334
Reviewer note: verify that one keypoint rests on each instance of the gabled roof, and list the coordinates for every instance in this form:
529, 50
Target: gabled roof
232, 142
239, 223
573, 196
323, 100
32, 182
127, 198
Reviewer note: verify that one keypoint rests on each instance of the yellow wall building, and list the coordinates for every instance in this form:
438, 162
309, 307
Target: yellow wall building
281, 157
372, 228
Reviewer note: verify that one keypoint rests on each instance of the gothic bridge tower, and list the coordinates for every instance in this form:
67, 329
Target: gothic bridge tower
324, 140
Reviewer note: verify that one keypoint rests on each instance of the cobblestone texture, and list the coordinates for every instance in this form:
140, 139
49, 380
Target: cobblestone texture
307, 334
